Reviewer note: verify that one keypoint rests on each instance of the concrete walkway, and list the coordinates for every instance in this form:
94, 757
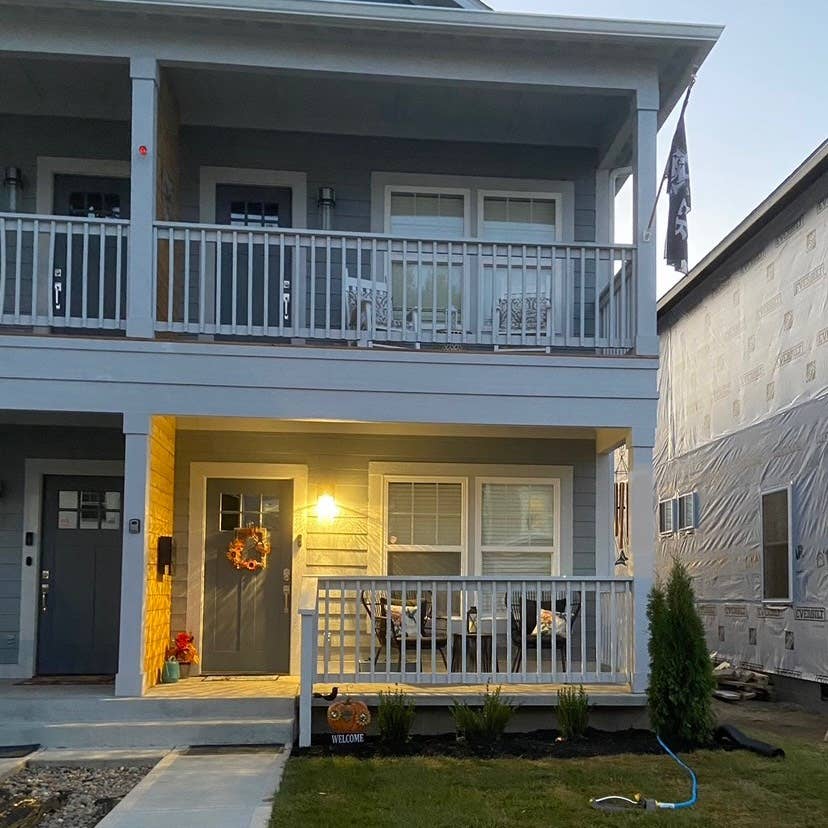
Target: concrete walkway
225, 790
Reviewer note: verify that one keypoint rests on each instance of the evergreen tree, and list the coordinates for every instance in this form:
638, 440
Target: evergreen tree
681, 675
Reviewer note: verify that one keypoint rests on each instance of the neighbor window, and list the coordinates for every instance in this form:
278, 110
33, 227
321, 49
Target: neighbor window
687, 511
666, 516
424, 527
776, 546
519, 522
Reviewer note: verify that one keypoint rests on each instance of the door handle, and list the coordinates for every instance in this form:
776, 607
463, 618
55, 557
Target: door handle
286, 594
44, 597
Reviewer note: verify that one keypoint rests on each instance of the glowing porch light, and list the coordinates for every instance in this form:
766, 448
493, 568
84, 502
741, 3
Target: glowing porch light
326, 508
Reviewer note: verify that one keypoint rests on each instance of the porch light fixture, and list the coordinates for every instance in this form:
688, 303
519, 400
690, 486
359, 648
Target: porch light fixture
326, 507
326, 202
13, 180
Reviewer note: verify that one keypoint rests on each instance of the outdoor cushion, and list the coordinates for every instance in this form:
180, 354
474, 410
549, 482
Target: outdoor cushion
547, 619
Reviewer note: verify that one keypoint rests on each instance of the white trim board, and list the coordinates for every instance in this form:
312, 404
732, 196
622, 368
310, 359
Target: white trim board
209, 177
199, 474
35, 471
383, 182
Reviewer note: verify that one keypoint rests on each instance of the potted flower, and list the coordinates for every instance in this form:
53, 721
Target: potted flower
183, 650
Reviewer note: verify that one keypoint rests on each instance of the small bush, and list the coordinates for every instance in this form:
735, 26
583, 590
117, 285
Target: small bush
395, 715
485, 723
573, 712
681, 675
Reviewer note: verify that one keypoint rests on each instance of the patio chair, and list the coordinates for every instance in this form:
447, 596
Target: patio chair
532, 311
525, 628
378, 612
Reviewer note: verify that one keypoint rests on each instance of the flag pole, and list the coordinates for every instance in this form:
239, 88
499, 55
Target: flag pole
667, 165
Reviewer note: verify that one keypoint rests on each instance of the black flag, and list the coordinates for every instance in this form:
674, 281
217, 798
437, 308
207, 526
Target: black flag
678, 186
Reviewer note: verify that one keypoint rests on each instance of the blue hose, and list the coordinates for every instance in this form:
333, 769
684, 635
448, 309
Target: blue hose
622, 803
688, 803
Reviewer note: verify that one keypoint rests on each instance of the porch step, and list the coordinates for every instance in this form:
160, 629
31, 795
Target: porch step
93, 720
160, 733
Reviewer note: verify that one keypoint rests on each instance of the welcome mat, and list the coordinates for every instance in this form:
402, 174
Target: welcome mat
239, 678
47, 680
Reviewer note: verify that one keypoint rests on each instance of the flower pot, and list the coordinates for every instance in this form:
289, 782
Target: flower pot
184, 669
171, 672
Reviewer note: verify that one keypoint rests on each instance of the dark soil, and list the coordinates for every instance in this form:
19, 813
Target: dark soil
540, 744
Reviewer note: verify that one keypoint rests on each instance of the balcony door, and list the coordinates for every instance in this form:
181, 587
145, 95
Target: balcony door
89, 274
251, 266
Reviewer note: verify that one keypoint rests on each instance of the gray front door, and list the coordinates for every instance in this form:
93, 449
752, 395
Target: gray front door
90, 197
80, 576
243, 294
247, 614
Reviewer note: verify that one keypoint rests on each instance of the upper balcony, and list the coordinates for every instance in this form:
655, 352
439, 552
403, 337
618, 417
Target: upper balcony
345, 186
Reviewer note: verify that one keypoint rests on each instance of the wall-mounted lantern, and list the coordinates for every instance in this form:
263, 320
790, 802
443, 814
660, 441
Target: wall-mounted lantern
326, 202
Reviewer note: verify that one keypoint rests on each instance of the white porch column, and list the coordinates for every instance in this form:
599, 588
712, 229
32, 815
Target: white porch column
131, 680
645, 182
140, 289
642, 557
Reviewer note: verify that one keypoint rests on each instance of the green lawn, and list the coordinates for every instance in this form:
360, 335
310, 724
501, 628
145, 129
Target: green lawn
735, 789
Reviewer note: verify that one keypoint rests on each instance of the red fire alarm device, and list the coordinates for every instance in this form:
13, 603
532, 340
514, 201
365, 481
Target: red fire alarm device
142, 150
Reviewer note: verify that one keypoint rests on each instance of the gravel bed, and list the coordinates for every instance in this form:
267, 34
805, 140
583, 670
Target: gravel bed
81, 797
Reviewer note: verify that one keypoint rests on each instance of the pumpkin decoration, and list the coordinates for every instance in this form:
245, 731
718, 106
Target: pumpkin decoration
250, 540
348, 716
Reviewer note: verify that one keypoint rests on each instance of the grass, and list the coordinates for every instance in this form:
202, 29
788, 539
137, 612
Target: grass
736, 790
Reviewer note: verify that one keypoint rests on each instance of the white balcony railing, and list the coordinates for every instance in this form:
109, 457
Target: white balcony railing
63, 272
472, 630
247, 282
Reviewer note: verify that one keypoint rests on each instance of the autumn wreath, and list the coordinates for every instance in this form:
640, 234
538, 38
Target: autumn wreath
247, 543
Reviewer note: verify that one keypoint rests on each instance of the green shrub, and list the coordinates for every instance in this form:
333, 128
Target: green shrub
485, 723
681, 675
395, 715
573, 712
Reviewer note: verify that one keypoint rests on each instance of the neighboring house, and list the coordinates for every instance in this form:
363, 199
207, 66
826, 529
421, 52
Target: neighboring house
344, 271
742, 446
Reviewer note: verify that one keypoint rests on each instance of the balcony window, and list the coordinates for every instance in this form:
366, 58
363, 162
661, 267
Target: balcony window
519, 218
777, 560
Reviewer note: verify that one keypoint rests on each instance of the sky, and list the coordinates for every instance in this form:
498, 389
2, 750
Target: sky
758, 109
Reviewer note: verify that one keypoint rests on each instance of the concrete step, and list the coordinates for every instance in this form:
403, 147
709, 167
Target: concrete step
160, 733
109, 708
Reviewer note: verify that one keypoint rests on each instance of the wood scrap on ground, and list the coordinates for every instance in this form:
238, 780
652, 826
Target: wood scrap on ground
735, 684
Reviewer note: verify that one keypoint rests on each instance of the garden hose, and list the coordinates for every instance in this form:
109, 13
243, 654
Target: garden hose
623, 803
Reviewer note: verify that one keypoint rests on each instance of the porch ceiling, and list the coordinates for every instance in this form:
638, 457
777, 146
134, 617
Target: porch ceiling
317, 102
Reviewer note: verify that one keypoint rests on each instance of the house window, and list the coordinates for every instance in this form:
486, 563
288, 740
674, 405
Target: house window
666, 516
519, 525
687, 512
519, 218
426, 215
777, 564
425, 526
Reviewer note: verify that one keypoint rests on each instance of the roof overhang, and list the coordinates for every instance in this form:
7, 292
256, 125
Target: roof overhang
800, 179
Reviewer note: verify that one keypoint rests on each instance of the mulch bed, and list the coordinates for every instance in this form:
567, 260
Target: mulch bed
539, 744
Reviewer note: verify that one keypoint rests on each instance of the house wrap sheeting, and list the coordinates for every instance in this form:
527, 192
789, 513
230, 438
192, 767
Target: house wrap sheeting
743, 408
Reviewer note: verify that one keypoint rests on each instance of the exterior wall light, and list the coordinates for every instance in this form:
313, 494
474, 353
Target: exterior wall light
326, 508
326, 203
13, 180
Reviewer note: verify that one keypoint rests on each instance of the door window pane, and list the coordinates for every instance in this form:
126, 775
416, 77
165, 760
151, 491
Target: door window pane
67, 520
518, 514
426, 214
67, 500
531, 220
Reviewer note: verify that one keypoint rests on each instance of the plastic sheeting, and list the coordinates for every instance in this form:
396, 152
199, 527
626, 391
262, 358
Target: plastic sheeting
743, 408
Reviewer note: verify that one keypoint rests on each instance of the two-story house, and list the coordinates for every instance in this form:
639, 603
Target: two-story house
742, 445
330, 287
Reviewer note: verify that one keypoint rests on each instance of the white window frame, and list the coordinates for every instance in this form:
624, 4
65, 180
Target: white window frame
664, 533
554, 550
695, 521
788, 489
463, 548
557, 197
410, 189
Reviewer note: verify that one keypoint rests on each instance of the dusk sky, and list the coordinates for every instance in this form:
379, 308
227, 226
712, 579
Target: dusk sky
758, 109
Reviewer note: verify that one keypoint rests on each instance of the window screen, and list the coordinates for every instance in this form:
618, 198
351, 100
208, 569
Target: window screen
517, 527
776, 548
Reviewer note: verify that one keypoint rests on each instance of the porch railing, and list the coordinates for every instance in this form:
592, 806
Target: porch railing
63, 272
248, 282
466, 630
